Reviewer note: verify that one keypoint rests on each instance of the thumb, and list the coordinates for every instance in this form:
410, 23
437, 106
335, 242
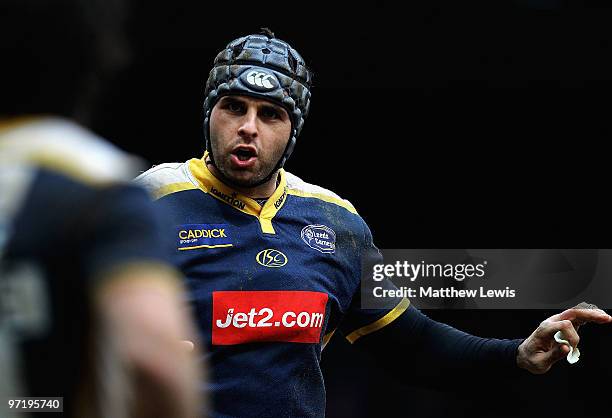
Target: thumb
557, 353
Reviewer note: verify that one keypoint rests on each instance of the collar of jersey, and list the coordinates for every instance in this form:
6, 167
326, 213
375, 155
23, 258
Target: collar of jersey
219, 190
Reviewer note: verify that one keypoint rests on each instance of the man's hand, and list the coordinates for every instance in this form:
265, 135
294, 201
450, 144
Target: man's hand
540, 351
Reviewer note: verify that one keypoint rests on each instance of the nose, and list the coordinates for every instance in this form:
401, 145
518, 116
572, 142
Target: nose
248, 129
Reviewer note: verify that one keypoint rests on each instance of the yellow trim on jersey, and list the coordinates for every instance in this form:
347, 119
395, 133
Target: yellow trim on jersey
273, 204
329, 199
205, 246
54, 161
382, 322
172, 188
326, 338
211, 185
16, 121
49, 159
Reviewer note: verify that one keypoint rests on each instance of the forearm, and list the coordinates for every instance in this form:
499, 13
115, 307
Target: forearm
141, 311
430, 342
459, 350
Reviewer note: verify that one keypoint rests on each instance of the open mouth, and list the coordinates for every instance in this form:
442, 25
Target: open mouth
244, 157
244, 153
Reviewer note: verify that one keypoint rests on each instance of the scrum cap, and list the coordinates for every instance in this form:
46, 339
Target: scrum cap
265, 67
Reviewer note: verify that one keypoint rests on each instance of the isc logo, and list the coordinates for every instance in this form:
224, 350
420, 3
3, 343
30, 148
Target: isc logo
271, 258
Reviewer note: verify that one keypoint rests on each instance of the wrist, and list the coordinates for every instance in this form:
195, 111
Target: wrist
523, 358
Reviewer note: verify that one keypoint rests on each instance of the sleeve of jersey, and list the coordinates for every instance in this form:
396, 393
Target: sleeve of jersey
364, 317
124, 230
433, 343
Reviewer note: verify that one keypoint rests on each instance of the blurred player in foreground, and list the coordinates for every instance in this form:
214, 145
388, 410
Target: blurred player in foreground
90, 309
273, 264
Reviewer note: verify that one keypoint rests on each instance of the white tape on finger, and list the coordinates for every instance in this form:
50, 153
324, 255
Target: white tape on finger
574, 354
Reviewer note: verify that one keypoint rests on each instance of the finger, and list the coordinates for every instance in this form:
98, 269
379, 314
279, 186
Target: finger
549, 328
583, 315
584, 305
569, 332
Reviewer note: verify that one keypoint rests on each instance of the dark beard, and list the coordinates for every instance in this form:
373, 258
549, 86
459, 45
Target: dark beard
253, 182
245, 184
256, 180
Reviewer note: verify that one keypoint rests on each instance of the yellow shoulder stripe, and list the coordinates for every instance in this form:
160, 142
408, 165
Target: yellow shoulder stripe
382, 322
172, 188
326, 338
60, 164
343, 203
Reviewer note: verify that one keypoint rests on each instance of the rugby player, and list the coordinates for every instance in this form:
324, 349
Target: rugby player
90, 308
273, 263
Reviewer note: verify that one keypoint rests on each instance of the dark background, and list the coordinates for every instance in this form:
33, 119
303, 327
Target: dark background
448, 125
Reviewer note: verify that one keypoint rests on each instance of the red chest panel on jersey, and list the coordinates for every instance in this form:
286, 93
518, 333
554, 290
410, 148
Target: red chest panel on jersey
281, 315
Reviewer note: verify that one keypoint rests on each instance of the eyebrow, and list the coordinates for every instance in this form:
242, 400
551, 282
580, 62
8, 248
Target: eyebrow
277, 108
273, 106
264, 105
230, 99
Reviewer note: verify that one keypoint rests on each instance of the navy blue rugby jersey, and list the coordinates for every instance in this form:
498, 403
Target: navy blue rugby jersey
269, 285
69, 216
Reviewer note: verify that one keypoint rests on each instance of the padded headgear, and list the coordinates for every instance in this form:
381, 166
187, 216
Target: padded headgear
265, 67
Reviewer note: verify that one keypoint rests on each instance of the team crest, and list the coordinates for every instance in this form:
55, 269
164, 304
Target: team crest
320, 237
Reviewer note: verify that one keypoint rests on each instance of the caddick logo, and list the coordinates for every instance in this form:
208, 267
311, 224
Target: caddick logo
261, 80
271, 258
320, 237
196, 236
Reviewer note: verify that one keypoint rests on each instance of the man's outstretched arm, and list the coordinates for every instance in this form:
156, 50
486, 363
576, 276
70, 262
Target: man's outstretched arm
430, 342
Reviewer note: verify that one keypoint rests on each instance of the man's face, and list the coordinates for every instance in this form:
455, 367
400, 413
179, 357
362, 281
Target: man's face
248, 137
